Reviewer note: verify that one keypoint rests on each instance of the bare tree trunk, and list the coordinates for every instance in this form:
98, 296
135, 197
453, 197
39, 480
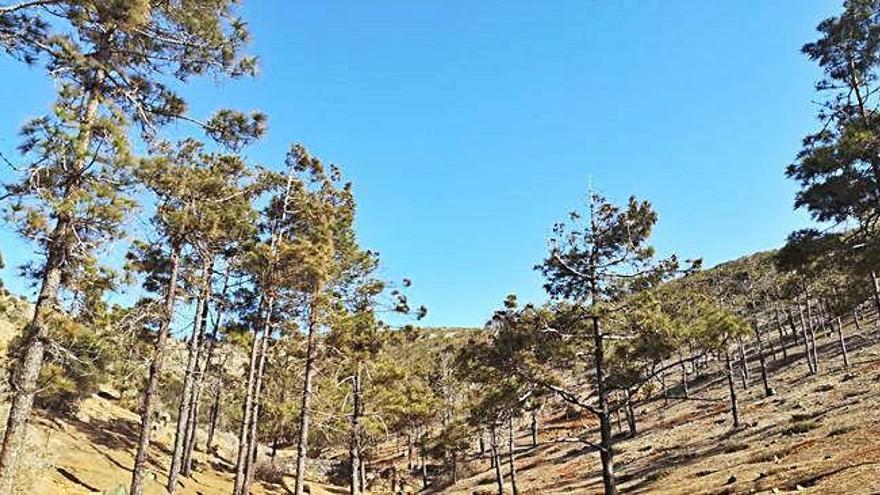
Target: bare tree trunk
534, 427
424, 468
409, 451
812, 334
200, 371
781, 329
684, 375
213, 416
183, 410
354, 448
606, 448
303, 442
512, 456
856, 319
140, 458
842, 342
247, 409
493, 445
251, 459
743, 363
25, 376
768, 391
876, 290
630, 415
808, 353
734, 410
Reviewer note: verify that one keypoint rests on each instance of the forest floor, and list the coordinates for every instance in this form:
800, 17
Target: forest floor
818, 434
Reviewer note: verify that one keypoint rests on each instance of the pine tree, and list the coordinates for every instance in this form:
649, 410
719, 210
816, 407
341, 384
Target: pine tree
115, 61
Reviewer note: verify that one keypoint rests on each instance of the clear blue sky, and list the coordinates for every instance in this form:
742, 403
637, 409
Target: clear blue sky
469, 127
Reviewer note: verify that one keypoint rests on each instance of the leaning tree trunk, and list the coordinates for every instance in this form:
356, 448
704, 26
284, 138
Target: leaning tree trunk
734, 410
606, 447
183, 411
140, 458
27, 371
305, 403
214, 413
512, 456
842, 342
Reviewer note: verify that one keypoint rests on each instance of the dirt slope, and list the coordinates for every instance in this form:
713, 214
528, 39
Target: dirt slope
817, 435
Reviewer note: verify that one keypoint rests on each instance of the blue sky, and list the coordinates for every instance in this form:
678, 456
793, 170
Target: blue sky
469, 128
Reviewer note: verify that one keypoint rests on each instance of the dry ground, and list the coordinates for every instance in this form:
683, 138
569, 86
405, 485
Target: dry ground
818, 434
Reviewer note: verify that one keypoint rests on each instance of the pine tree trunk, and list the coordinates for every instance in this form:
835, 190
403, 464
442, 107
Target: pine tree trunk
781, 329
768, 391
842, 342
856, 319
213, 416
630, 415
482, 448
24, 378
743, 363
684, 376
409, 452
355, 441
140, 459
792, 325
214, 413
875, 285
606, 448
200, 373
493, 445
812, 334
512, 456
424, 468
303, 442
251, 459
247, 408
734, 410
534, 427
183, 411
808, 354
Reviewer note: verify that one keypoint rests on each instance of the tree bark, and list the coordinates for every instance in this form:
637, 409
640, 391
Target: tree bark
354, 448
303, 442
684, 375
734, 410
183, 410
247, 409
743, 363
630, 415
808, 353
140, 458
781, 329
768, 391
534, 427
842, 342
875, 285
606, 448
812, 333
512, 456
493, 445
213, 417
251, 459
